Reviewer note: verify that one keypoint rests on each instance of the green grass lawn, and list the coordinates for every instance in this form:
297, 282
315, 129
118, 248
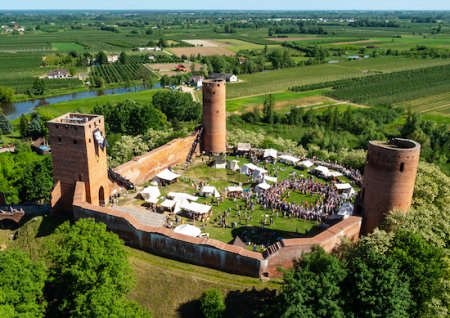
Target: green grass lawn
256, 231
86, 105
281, 80
67, 46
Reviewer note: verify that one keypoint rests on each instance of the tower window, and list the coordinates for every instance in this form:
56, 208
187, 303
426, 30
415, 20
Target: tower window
59, 140
75, 141
90, 140
402, 166
56, 126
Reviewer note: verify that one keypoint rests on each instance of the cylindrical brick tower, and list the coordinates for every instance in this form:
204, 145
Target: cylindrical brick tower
389, 177
214, 117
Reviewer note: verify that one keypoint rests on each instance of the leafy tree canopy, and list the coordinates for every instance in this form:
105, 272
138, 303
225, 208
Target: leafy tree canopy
177, 105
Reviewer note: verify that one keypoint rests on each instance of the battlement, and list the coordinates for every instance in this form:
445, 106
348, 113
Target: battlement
397, 144
77, 119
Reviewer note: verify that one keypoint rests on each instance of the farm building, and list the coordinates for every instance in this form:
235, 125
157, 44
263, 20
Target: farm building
230, 78
112, 58
57, 74
149, 49
180, 68
196, 81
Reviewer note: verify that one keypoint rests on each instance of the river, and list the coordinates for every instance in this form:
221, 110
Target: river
15, 109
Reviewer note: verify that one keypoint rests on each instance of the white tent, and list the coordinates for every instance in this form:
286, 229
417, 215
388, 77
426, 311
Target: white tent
186, 196
346, 209
335, 174
289, 159
234, 189
244, 147
270, 153
343, 186
234, 165
220, 165
187, 229
167, 175
197, 208
307, 163
270, 179
175, 205
150, 194
324, 171
262, 187
209, 191
249, 168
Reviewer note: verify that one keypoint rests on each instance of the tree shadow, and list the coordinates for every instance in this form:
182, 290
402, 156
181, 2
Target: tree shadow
49, 224
190, 309
249, 303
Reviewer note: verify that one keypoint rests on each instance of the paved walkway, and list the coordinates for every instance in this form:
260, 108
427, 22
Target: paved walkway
144, 216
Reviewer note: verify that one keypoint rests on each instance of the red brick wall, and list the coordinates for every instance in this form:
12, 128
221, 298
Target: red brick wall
147, 166
209, 252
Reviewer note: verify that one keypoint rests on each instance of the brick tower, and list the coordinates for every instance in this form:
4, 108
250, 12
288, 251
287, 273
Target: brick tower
389, 177
214, 117
78, 154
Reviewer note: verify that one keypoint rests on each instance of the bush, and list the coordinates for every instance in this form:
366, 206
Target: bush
212, 304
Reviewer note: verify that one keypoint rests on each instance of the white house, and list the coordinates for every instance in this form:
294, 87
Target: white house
57, 74
112, 58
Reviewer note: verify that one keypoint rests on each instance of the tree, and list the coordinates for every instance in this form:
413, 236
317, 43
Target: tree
35, 127
6, 94
23, 126
268, 109
424, 265
212, 304
375, 285
177, 105
37, 182
39, 87
312, 288
123, 58
126, 149
101, 58
5, 125
21, 285
90, 275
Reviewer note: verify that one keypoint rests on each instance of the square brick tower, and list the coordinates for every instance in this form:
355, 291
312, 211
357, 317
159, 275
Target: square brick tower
78, 154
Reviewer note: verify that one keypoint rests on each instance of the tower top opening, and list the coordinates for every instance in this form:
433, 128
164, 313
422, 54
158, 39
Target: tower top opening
76, 119
397, 144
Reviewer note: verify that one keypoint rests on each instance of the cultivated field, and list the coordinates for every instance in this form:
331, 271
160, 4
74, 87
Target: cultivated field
281, 80
205, 51
169, 68
439, 103
67, 46
203, 43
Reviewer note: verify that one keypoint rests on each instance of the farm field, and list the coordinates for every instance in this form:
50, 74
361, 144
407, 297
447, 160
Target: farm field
169, 68
283, 101
280, 80
238, 45
67, 46
205, 51
438, 104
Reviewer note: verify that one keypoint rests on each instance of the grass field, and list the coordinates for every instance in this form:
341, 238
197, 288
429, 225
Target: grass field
204, 51
67, 46
86, 105
283, 101
239, 45
280, 80
435, 106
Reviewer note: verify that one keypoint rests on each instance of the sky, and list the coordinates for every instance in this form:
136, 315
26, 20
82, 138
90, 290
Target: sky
226, 5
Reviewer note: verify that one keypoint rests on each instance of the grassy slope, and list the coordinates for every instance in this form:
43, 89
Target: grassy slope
86, 105
167, 287
280, 80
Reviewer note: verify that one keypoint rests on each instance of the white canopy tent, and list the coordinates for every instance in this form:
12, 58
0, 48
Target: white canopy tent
167, 176
175, 205
150, 194
346, 209
249, 168
262, 187
234, 189
234, 165
324, 171
186, 196
197, 208
243, 147
270, 179
343, 186
270, 153
209, 191
335, 174
289, 159
187, 229
307, 163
